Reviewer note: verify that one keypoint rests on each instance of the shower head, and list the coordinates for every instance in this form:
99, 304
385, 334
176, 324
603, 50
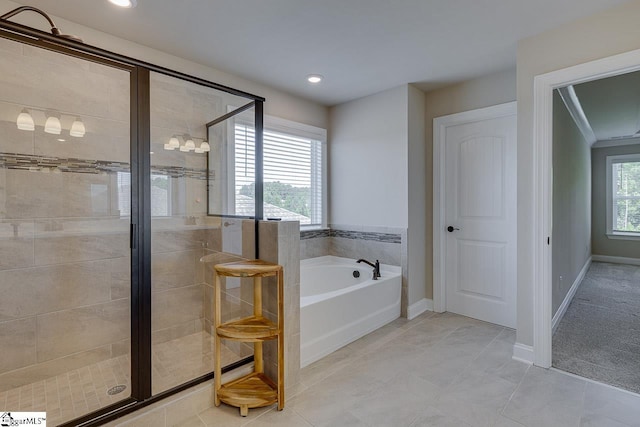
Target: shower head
54, 30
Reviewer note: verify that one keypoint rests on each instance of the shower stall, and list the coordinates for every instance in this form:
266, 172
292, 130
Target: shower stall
115, 180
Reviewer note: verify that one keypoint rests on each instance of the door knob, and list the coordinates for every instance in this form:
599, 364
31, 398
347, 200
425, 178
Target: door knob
450, 229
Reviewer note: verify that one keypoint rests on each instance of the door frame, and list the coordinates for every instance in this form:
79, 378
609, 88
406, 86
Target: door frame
543, 87
440, 125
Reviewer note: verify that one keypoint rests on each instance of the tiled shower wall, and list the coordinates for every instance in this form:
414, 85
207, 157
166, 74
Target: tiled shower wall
64, 237
64, 248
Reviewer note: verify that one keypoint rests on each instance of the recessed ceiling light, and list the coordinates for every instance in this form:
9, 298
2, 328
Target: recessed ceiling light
314, 78
125, 3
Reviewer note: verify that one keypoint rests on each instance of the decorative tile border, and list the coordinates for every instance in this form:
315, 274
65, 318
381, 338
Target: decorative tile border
56, 165
355, 235
366, 235
180, 172
314, 234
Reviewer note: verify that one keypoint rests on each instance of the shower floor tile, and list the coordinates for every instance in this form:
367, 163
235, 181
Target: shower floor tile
75, 393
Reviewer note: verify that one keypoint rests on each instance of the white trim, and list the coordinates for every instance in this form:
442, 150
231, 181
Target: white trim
543, 87
523, 353
621, 235
610, 189
417, 308
567, 299
278, 124
616, 142
616, 259
571, 101
440, 125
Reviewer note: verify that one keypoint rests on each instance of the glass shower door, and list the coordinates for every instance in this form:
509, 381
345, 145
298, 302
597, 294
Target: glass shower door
65, 214
182, 232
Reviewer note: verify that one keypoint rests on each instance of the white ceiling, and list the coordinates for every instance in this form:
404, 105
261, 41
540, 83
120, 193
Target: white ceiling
360, 46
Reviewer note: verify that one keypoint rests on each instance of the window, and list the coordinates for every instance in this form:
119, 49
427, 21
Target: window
294, 171
623, 196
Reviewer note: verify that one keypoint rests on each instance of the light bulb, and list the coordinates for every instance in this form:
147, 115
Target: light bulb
77, 128
169, 147
190, 145
174, 142
25, 121
52, 125
314, 78
124, 3
205, 147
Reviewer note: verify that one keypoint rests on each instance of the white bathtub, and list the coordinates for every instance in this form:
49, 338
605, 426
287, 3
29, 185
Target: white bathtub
336, 308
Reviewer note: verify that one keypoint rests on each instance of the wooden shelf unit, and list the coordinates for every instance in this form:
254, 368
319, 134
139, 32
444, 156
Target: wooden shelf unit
255, 389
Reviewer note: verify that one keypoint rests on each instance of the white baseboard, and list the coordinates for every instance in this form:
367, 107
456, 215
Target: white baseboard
417, 308
569, 297
616, 259
523, 353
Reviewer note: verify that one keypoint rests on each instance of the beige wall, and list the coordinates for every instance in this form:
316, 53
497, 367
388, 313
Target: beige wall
571, 201
418, 171
368, 160
493, 89
601, 244
378, 179
601, 35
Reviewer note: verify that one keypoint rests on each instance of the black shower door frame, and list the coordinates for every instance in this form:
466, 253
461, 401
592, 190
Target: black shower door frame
140, 231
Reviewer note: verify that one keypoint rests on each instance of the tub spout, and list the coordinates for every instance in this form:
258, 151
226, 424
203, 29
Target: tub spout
376, 267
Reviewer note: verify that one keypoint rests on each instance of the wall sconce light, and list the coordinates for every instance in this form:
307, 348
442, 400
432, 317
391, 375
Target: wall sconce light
25, 121
53, 125
204, 148
77, 128
190, 145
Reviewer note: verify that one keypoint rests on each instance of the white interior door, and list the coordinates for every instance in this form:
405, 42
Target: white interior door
480, 219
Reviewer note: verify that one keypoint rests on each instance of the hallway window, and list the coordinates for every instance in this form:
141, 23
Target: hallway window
623, 196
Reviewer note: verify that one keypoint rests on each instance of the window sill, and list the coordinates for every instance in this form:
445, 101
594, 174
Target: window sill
313, 228
623, 236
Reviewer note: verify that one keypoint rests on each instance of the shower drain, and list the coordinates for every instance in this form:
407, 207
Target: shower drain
116, 389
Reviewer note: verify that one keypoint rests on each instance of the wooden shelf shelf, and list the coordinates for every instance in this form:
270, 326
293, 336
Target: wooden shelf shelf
251, 391
251, 329
256, 389
250, 268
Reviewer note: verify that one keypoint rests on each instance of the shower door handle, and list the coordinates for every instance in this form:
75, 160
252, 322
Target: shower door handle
133, 236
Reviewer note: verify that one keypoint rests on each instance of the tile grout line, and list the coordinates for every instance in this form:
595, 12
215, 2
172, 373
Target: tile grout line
513, 394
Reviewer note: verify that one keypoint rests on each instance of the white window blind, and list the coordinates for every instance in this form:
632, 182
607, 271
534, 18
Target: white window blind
293, 175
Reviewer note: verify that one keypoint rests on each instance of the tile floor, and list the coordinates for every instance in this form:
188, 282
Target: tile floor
437, 370
75, 393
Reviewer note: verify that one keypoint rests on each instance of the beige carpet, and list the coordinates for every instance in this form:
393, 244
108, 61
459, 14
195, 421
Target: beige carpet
599, 336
